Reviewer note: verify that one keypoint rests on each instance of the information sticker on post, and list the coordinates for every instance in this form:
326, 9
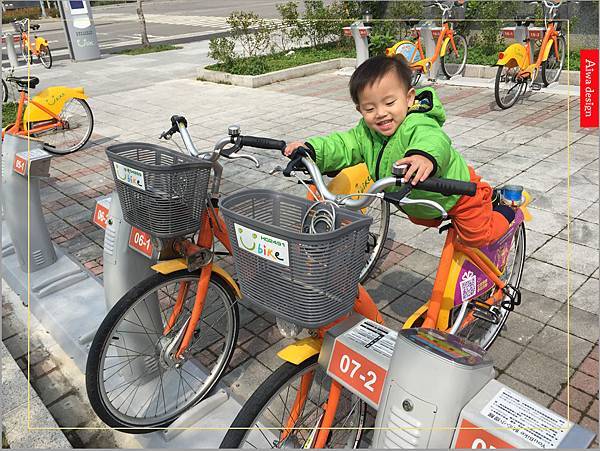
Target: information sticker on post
140, 241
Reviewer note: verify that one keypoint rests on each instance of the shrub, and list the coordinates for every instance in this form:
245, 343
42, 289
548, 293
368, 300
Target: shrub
33, 13
222, 50
292, 30
251, 31
324, 23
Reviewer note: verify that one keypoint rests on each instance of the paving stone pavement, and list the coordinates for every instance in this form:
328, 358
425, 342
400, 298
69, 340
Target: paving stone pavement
527, 144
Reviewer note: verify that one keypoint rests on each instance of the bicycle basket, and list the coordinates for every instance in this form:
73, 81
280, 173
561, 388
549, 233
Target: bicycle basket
162, 192
306, 279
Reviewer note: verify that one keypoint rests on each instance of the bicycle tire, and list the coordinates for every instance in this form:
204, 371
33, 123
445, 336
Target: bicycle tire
547, 76
52, 138
375, 253
4, 91
120, 317
491, 330
266, 392
460, 42
45, 57
497, 86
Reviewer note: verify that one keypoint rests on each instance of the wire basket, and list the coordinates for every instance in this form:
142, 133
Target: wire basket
306, 279
162, 192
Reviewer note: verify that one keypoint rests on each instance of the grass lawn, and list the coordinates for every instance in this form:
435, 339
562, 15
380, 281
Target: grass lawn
9, 111
152, 49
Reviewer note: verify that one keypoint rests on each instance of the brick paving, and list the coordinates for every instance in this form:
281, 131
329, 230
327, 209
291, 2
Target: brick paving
522, 145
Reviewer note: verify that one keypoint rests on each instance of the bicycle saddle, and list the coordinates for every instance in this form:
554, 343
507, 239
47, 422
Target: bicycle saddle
35, 27
23, 82
411, 22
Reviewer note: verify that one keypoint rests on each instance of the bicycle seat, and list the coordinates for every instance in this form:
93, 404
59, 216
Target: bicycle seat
35, 27
411, 22
526, 20
24, 82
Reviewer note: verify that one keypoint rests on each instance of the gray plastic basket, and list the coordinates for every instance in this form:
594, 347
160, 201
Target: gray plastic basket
320, 281
162, 192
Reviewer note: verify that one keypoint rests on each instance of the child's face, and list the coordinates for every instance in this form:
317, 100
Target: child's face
384, 104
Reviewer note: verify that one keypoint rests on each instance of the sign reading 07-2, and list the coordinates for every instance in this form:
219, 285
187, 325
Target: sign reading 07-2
265, 246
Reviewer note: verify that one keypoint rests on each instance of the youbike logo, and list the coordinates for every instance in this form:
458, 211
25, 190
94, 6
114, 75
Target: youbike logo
265, 246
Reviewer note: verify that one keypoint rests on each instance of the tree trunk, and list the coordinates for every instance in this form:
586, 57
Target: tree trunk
144, 33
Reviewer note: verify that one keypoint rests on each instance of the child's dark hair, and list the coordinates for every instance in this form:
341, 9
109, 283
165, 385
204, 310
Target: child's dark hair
374, 69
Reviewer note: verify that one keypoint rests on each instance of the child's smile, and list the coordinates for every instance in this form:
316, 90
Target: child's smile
384, 103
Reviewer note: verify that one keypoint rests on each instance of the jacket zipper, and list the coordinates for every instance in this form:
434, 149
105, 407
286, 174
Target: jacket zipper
379, 157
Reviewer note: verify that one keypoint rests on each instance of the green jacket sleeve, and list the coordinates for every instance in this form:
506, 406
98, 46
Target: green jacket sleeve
423, 135
338, 150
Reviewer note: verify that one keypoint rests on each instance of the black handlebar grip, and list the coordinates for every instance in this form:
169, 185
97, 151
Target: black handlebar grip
262, 143
177, 119
447, 187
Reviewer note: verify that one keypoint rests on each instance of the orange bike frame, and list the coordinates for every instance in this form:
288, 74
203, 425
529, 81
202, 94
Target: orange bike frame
446, 31
551, 33
48, 125
451, 247
212, 226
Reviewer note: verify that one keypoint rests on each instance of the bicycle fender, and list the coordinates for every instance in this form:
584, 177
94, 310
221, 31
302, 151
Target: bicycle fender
444, 46
39, 42
514, 55
526, 214
177, 264
548, 49
52, 98
301, 350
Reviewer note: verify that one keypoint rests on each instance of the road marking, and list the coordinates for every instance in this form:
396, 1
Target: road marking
195, 21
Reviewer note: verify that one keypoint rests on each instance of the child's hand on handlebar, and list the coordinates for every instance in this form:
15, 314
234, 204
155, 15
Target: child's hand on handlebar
289, 149
418, 165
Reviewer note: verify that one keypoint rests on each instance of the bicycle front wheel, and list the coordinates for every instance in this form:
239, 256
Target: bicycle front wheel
379, 210
45, 57
552, 67
453, 63
507, 88
133, 381
478, 330
265, 419
4, 91
75, 131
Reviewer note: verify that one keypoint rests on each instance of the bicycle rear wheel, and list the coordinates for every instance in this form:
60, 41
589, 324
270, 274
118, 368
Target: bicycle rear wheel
552, 67
4, 91
45, 57
263, 419
78, 123
454, 63
480, 331
379, 210
132, 381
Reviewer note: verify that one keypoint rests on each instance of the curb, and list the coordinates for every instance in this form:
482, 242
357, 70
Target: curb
22, 409
255, 81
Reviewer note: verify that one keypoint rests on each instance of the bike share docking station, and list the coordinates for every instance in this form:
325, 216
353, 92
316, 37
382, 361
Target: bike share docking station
435, 390
61, 293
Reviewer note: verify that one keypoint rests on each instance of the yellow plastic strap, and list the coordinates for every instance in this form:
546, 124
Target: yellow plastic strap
298, 352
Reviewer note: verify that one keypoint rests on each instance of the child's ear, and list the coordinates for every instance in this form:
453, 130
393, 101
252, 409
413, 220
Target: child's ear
410, 96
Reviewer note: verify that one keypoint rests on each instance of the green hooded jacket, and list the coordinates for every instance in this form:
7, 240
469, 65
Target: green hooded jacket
420, 133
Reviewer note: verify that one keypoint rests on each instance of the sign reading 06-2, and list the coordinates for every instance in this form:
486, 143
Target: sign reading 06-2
265, 246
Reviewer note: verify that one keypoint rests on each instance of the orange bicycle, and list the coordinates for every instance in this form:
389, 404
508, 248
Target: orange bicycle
38, 48
453, 59
517, 69
58, 115
300, 405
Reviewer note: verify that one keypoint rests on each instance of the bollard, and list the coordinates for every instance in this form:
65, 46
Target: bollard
20, 167
359, 32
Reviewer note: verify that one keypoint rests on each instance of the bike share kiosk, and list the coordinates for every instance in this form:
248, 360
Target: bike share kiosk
359, 31
432, 389
80, 30
60, 292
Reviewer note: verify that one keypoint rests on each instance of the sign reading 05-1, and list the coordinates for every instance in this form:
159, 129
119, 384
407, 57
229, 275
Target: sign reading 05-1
263, 245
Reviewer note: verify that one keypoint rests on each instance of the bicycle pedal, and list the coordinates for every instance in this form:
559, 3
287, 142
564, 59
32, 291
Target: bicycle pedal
485, 312
536, 86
